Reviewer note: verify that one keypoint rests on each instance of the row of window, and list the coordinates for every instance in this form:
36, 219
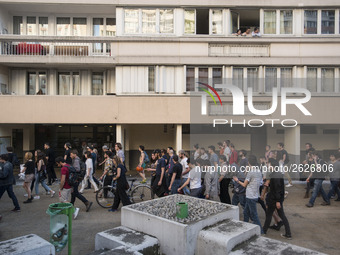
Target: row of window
65, 26
315, 79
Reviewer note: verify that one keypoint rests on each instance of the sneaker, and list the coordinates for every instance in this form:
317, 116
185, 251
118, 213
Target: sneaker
289, 237
286, 194
29, 200
36, 197
144, 181
75, 214
289, 185
53, 193
112, 210
277, 226
325, 203
309, 205
16, 210
48, 193
25, 195
88, 206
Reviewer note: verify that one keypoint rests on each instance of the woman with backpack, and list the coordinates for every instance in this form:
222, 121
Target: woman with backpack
122, 185
143, 160
40, 177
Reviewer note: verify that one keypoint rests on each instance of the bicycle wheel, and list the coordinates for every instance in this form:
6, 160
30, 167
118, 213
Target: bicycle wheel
141, 193
105, 202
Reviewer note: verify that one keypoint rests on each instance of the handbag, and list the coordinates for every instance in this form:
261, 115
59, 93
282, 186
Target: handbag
42, 173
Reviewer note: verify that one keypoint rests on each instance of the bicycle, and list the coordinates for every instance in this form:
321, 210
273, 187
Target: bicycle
138, 193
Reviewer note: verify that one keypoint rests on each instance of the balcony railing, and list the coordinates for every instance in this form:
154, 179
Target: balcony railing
74, 49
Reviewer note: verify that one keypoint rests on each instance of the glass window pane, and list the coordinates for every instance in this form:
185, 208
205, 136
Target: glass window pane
286, 22
269, 22
252, 79
148, 21
76, 84
270, 79
131, 21
217, 22
190, 79
234, 21
17, 25
327, 22
189, 21
203, 75
63, 26
286, 77
79, 26
42, 83
151, 79
312, 82
166, 21
217, 77
31, 26
238, 77
327, 79
43, 25
311, 22
64, 83
98, 27
97, 83
32, 83
110, 27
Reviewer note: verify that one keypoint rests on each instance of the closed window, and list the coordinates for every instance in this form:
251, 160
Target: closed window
79, 26
252, 78
286, 22
270, 79
97, 83
31, 26
190, 79
286, 77
131, 21
189, 21
98, 27
63, 26
312, 81
43, 25
269, 22
217, 22
166, 21
327, 22
110, 27
327, 79
18, 27
311, 22
148, 21
238, 77
216, 77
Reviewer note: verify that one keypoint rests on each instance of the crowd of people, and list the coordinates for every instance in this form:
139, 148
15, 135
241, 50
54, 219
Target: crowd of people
197, 173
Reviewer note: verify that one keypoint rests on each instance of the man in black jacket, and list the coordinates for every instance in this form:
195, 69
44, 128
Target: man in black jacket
7, 181
275, 198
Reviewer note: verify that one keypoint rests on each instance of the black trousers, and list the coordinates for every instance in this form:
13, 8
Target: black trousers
224, 191
75, 194
50, 173
269, 214
120, 196
107, 181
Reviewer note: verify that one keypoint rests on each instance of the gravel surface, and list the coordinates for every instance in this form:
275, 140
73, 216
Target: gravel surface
198, 209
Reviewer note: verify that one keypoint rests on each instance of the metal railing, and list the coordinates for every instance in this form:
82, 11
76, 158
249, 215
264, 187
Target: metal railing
75, 49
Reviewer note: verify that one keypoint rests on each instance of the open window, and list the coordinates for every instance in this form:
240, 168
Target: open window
244, 19
196, 21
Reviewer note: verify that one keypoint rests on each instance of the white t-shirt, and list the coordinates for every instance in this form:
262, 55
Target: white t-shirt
227, 152
89, 165
195, 178
184, 167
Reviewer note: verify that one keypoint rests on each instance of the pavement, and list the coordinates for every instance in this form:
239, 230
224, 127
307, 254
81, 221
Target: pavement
316, 228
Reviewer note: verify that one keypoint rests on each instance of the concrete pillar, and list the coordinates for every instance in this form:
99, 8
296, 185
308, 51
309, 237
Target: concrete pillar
179, 138
119, 134
292, 144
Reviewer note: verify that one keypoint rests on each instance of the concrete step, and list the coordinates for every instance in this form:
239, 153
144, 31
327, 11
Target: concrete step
128, 240
122, 250
27, 245
263, 245
223, 236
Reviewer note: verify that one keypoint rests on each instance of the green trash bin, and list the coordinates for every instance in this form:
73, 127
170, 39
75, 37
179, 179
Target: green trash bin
182, 210
61, 225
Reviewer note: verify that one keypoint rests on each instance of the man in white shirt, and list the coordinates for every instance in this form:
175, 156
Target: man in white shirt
227, 150
89, 172
194, 179
185, 169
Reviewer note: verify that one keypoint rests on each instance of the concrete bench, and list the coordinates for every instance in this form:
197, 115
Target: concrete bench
123, 237
222, 237
263, 245
27, 245
122, 250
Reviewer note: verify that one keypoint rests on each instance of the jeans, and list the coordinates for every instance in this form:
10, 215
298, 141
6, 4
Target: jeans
334, 189
185, 189
9, 189
175, 186
250, 210
195, 192
90, 178
224, 191
239, 198
269, 214
318, 188
75, 194
43, 183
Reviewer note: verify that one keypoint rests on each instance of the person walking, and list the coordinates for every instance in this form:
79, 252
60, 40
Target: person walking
7, 180
29, 170
175, 176
122, 184
224, 180
52, 177
40, 177
89, 173
65, 188
109, 171
143, 159
76, 163
212, 187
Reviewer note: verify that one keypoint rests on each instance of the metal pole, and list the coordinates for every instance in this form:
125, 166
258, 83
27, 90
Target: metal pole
69, 246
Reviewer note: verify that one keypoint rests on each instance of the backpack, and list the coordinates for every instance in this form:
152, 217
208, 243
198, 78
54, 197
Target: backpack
82, 172
73, 175
146, 158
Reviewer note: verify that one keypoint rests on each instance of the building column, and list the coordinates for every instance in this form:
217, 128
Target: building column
292, 144
179, 138
119, 134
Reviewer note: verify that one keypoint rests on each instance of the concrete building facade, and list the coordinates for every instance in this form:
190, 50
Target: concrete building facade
125, 71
